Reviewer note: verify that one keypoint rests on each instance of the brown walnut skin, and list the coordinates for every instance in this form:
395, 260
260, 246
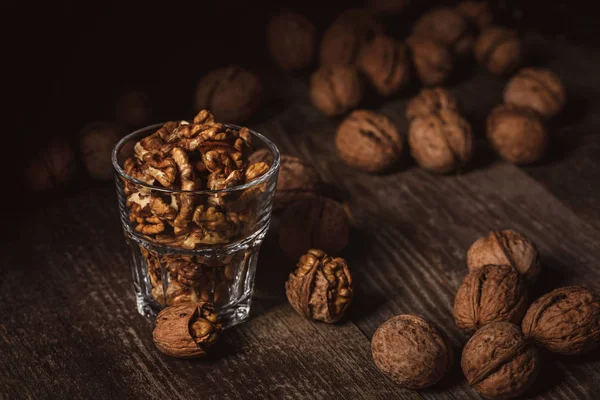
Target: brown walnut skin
432, 60
490, 294
187, 330
368, 141
537, 88
96, 144
321, 287
499, 362
336, 89
314, 223
386, 64
431, 101
448, 26
506, 247
297, 180
291, 39
499, 50
476, 12
518, 134
52, 168
231, 93
440, 142
565, 321
411, 351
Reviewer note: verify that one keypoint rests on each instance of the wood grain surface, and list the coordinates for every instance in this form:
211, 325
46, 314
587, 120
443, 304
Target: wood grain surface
69, 328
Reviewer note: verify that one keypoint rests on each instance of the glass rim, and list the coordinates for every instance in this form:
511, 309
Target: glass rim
267, 175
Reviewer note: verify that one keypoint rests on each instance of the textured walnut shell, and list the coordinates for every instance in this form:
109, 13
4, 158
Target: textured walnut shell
186, 330
336, 89
431, 101
132, 108
476, 12
369, 141
440, 142
321, 287
96, 144
498, 362
536, 88
448, 26
506, 247
291, 39
297, 180
566, 320
432, 60
313, 223
231, 93
517, 134
499, 50
412, 351
490, 294
386, 64
53, 167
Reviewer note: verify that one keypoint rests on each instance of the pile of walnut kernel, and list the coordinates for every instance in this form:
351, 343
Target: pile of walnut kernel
184, 157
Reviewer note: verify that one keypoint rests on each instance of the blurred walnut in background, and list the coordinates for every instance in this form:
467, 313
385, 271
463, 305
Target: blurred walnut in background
386, 64
231, 93
537, 88
336, 89
448, 26
297, 180
53, 167
432, 60
291, 39
96, 144
476, 12
499, 50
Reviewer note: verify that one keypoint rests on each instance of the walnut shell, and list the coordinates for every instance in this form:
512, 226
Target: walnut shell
499, 363
231, 93
313, 223
321, 287
490, 294
187, 330
566, 320
537, 88
430, 101
52, 168
291, 39
336, 89
96, 144
440, 142
386, 64
132, 108
517, 134
448, 26
369, 141
412, 351
432, 60
499, 50
506, 247
297, 180
476, 12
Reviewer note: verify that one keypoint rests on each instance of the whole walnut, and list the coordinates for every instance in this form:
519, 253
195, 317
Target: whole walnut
536, 88
187, 330
291, 39
412, 351
231, 93
336, 89
369, 141
506, 247
53, 167
566, 320
96, 144
386, 64
313, 223
432, 60
517, 134
499, 50
321, 287
440, 142
489, 294
430, 101
499, 362
476, 12
448, 26
297, 180
132, 108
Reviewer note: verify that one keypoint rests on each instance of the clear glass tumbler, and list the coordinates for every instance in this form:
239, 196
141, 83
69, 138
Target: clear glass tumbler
212, 255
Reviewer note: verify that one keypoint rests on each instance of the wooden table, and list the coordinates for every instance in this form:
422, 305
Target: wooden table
69, 328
